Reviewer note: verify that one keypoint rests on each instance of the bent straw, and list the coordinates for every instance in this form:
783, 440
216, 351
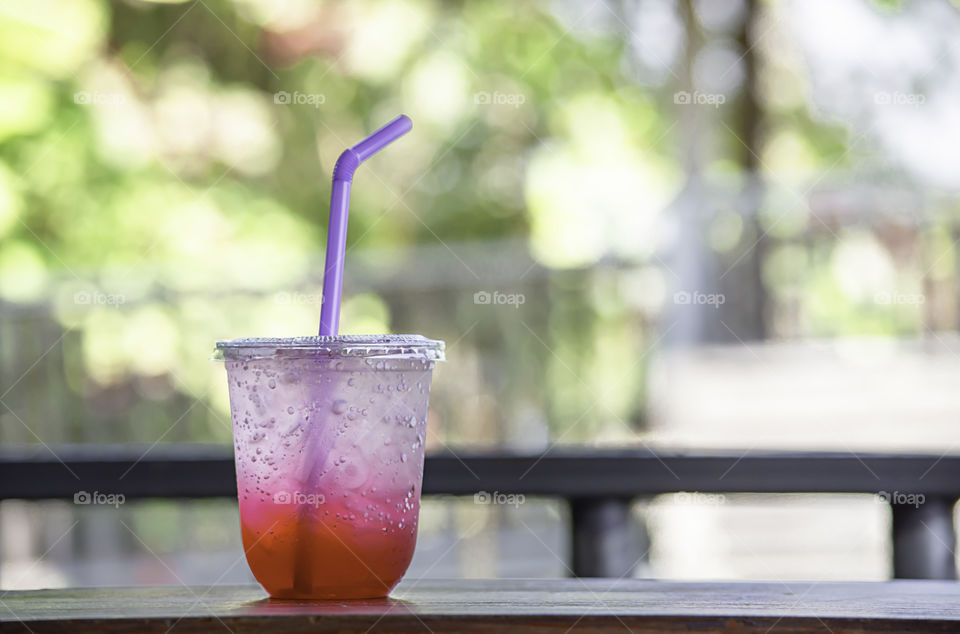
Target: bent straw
346, 165
321, 438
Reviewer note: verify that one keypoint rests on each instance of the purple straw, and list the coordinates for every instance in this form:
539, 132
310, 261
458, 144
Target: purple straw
343, 171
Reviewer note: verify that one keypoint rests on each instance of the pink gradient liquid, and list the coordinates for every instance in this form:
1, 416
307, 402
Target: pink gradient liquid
329, 456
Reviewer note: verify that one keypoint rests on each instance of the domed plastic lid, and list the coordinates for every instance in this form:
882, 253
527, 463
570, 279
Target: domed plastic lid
339, 346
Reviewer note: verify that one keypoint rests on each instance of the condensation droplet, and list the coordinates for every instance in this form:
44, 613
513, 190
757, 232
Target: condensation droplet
339, 406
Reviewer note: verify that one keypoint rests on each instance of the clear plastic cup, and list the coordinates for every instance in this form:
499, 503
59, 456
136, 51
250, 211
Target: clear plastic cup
329, 435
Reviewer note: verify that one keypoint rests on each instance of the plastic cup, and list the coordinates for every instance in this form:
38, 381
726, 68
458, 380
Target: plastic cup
329, 435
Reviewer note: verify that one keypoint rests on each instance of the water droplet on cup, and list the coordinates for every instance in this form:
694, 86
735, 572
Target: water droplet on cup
339, 406
290, 409
272, 384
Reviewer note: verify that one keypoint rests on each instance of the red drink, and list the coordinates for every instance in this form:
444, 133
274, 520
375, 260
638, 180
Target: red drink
338, 556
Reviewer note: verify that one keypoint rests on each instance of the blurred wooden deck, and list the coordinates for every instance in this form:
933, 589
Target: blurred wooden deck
843, 395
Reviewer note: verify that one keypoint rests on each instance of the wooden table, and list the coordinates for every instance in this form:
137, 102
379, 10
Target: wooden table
502, 605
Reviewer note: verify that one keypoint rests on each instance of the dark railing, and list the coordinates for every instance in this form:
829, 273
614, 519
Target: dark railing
599, 485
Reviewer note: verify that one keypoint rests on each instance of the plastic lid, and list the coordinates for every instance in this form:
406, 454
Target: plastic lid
338, 346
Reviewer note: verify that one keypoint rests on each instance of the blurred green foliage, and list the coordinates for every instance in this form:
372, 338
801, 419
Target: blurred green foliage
149, 166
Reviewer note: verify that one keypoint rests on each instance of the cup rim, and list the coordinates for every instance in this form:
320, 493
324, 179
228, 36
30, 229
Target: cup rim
337, 346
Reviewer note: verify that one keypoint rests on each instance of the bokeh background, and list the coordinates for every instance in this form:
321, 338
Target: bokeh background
687, 224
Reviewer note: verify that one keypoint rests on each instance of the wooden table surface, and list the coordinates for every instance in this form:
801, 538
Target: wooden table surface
502, 605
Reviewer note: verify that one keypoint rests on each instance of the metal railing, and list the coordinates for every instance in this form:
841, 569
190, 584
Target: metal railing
599, 485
